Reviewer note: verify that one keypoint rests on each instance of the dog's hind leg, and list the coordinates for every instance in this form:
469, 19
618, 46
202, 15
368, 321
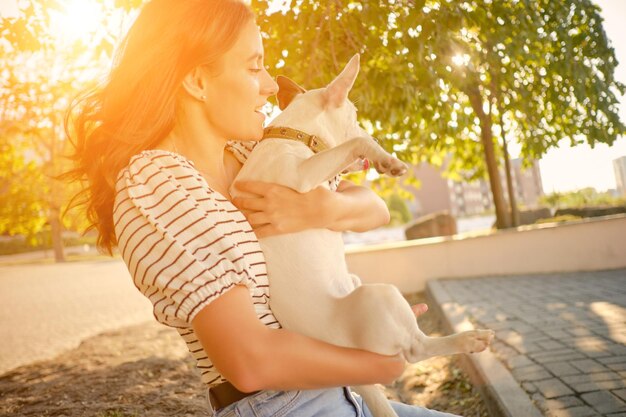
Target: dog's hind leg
376, 401
470, 341
377, 318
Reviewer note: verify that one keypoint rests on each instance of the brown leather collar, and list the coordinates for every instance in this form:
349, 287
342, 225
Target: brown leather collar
313, 142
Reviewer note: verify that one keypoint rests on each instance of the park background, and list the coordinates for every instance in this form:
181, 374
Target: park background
551, 90
457, 87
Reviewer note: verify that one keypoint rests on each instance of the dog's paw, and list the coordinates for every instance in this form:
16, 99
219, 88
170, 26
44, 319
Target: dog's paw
475, 340
390, 166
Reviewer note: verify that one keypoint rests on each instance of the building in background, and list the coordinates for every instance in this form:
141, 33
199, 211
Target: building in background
527, 183
463, 199
619, 165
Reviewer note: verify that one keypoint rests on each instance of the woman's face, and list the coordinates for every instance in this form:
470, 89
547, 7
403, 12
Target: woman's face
236, 94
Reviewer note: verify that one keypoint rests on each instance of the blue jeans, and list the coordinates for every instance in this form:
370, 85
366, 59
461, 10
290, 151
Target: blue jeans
335, 402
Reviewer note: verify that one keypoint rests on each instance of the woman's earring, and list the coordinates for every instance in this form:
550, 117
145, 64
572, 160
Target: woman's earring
203, 98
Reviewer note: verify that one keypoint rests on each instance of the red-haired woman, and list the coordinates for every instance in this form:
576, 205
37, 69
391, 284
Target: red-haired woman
159, 145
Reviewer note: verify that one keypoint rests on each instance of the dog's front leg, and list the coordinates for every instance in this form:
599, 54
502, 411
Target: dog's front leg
325, 165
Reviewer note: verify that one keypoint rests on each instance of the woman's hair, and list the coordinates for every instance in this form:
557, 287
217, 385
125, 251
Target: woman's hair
134, 109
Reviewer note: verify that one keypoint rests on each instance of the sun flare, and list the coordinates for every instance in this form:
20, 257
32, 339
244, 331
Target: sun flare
460, 59
77, 19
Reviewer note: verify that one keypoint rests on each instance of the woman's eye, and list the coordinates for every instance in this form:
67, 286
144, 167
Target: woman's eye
255, 69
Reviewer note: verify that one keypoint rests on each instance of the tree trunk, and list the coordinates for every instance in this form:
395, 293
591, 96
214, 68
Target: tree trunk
55, 147
486, 136
513, 213
509, 181
57, 234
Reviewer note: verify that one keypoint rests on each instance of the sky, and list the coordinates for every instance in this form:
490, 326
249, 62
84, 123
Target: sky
564, 168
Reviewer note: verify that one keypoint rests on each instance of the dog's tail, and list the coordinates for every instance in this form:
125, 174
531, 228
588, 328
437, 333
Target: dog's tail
375, 400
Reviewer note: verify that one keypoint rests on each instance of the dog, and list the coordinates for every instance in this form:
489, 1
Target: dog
311, 290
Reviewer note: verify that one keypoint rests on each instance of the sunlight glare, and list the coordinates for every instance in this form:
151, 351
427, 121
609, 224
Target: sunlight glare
78, 19
613, 316
460, 59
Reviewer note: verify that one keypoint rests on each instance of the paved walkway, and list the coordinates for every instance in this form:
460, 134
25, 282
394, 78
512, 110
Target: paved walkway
48, 309
562, 336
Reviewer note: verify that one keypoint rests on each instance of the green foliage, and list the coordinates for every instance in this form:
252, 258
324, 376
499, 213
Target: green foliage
559, 219
22, 185
586, 197
398, 210
42, 240
40, 73
436, 75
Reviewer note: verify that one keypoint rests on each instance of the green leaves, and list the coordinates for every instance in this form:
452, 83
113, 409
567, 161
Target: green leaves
39, 74
545, 68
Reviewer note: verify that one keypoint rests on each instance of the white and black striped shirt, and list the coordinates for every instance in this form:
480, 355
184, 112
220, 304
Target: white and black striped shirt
185, 244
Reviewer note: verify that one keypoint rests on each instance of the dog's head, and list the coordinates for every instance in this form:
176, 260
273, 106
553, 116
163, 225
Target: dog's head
324, 112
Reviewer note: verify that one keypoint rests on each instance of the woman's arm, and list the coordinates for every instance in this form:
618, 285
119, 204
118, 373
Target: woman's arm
356, 209
278, 209
254, 357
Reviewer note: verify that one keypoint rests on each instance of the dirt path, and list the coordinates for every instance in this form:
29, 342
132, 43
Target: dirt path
145, 370
49, 309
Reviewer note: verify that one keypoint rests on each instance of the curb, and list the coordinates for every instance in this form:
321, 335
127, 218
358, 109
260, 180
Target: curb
502, 393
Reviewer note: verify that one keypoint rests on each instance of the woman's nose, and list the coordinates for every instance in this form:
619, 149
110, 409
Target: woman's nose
270, 86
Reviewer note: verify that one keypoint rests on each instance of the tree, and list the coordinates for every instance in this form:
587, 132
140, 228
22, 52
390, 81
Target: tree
41, 71
585, 197
438, 76
398, 210
21, 205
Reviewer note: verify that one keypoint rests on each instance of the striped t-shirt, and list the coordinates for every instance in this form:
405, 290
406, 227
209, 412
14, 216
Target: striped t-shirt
185, 244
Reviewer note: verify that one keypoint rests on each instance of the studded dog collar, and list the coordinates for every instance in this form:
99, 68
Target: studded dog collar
313, 142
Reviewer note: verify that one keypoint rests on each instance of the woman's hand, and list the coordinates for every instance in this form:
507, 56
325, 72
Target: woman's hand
419, 309
276, 209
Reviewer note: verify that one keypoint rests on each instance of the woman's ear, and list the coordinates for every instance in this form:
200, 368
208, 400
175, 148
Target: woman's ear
287, 90
194, 84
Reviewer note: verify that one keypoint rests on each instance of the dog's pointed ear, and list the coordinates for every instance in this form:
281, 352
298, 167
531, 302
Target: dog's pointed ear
287, 90
337, 91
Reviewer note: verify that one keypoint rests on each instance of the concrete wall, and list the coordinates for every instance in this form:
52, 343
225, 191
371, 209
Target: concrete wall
586, 245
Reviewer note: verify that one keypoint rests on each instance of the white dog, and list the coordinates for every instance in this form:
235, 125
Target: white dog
311, 290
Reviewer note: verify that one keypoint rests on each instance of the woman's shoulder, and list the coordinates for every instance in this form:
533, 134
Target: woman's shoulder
159, 159
157, 172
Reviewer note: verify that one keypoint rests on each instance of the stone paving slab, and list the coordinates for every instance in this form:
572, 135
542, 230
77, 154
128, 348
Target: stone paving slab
562, 336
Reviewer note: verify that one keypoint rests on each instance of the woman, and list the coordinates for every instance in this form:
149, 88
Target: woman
188, 78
